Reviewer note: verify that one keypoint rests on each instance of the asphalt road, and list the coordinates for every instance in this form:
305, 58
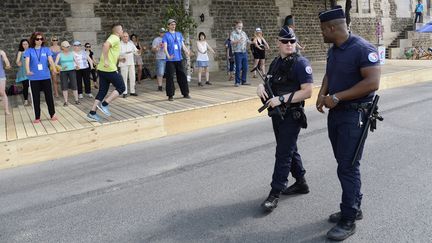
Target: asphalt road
207, 186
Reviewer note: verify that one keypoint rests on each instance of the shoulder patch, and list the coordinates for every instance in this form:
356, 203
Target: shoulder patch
308, 69
373, 57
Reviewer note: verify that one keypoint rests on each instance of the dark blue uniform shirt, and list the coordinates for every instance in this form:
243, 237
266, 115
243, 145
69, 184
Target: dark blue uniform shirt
302, 71
344, 64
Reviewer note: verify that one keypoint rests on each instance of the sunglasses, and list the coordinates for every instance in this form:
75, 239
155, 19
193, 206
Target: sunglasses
39, 39
54, 40
87, 46
286, 41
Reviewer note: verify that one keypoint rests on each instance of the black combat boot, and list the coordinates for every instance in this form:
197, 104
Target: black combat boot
342, 230
299, 187
334, 218
270, 203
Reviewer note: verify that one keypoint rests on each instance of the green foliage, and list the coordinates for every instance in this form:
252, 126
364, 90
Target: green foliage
185, 23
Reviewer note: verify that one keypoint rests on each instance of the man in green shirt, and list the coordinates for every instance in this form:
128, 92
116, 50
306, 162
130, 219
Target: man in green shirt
107, 71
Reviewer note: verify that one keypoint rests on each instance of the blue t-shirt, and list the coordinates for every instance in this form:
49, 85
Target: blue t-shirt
344, 64
39, 56
174, 45
419, 8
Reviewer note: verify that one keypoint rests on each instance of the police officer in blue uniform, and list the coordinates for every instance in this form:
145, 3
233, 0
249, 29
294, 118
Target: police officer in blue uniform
291, 82
351, 79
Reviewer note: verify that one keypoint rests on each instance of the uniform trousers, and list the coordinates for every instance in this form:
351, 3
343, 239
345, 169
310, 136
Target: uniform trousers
287, 157
344, 133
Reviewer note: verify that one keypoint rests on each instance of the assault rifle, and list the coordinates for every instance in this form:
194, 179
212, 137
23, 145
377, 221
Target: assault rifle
269, 91
372, 118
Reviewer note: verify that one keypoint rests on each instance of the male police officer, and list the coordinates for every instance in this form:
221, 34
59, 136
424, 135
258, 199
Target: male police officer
352, 76
291, 82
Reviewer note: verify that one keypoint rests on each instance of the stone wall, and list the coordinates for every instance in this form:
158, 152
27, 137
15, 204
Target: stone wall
253, 13
398, 24
143, 18
307, 28
19, 18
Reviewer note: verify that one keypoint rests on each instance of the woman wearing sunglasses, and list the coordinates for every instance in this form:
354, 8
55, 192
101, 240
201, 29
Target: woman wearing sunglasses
291, 83
55, 49
93, 68
38, 58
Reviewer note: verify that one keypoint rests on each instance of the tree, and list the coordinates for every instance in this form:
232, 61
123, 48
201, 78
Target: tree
332, 3
348, 6
184, 22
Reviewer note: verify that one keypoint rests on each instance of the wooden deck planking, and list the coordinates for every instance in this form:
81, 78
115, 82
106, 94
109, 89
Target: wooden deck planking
27, 121
142, 108
46, 121
3, 135
11, 133
81, 116
19, 124
63, 121
86, 105
150, 102
40, 129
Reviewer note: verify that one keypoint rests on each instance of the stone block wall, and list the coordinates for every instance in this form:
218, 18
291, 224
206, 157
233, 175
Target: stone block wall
398, 24
20, 18
253, 13
307, 28
143, 18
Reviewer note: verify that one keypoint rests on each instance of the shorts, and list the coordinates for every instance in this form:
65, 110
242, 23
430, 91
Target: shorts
160, 67
68, 80
202, 63
138, 60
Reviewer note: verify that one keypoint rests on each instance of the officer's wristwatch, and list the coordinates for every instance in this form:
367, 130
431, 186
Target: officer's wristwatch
282, 99
335, 99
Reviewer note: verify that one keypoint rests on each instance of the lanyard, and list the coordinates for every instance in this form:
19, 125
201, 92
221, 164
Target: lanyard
174, 37
40, 54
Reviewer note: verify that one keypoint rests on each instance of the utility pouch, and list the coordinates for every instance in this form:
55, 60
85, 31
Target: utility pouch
299, 115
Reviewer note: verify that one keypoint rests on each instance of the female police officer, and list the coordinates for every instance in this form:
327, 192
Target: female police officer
291, 82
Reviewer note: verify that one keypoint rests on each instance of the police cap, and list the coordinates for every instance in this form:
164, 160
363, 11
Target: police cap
286, 33
335, 13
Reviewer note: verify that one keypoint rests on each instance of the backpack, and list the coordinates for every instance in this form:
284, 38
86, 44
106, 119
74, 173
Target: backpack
145, 73
12, 90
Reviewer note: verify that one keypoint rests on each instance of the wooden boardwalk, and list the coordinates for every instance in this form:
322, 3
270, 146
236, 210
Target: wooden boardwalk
149, 115
150, 102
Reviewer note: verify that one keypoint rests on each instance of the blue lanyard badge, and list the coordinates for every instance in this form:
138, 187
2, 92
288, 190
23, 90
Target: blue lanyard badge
39, 66
176, 46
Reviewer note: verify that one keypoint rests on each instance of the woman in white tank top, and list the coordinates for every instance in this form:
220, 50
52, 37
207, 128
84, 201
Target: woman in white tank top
202, 57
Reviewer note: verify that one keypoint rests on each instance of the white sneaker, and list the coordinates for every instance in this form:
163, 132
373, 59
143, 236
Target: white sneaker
90, 95
80, 96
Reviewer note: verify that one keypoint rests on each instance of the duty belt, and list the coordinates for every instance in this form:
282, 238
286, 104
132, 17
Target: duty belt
353, 106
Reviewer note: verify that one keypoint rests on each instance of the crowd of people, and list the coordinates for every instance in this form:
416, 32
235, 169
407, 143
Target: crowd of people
57, 68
